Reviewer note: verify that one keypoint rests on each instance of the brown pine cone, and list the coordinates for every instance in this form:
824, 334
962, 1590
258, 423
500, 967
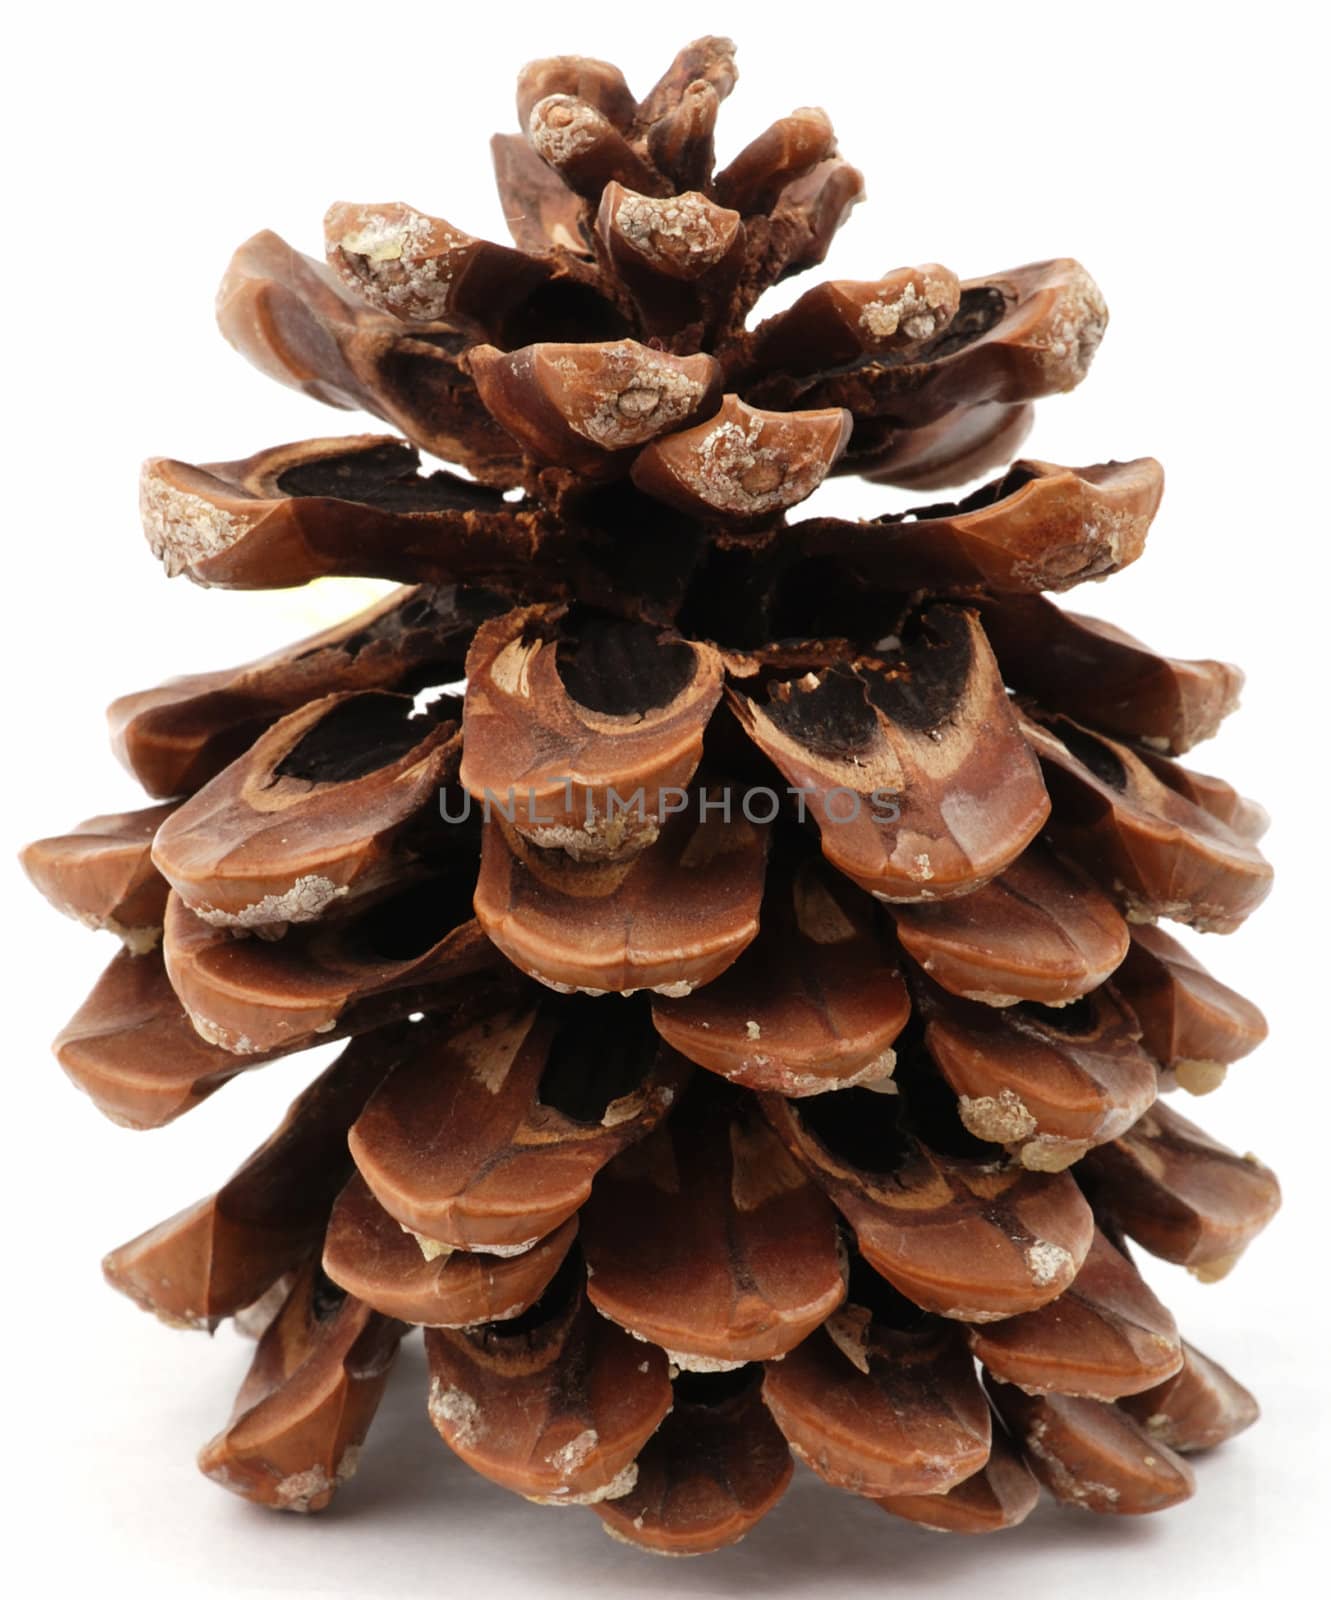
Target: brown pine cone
754, 1003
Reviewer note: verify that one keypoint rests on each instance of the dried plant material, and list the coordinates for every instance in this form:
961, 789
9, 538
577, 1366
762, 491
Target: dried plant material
422, 270
1158, 853
798, 232
175, 738
554, 1404
307, 1401
708, 1240
1105, 1337
254, 995
491, 1136
963, 1236
839, 321
787, 150
1039, 931
581, 737
1104, 677
959, 447
309, 819
133, 1051
1016, 336
744, 463
814, 1003
539, 212
713, 1469
709, 60
102, 875
599, 83
353, 507
1216, 797
912, 1419
217, 1257
585, 148
1200, 1407
680, 143
898, 879
1183, 1195
1037, 527
1047, 1084
1002, 1494
590, 404
290, 317
668, 918
1194, 1025
910, 766
676, 258
372, 1256
1093, 1455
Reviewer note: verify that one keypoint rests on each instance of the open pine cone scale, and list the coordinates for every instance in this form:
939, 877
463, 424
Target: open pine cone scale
755, 1008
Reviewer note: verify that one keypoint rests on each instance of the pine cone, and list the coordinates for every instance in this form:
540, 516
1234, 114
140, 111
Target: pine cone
772, 1023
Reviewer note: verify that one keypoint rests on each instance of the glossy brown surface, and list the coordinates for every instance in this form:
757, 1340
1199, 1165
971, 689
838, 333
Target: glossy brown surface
1200, 1407
173, 739
677, 258
585, 148
1106, 1336
708, 1240
577, 737
599, 83
102, 875
1047, 1083
248, 525
309, 819
837, 322
1000, 1495
539, 212
909, 1418
791, 147
802, 226
1016, 336
371, 1255
667, 919
470, 1144
585, 405
555, 1404
223, 1254
251, 995
893, 891
713, 1469
744, 463
1039, 931
1104, 677
1093, 1455
1248, 819
1038, 527
813, 1004
1157, 853
1193, 1024
293, 320
132, 1048
961, 446
1183, 1195
307, 1401
911, 767
421, 269
967, 1237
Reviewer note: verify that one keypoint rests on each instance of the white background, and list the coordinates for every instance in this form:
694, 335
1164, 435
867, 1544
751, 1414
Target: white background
1172, 148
